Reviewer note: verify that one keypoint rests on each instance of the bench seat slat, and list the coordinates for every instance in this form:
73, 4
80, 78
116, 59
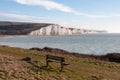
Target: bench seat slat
55, 58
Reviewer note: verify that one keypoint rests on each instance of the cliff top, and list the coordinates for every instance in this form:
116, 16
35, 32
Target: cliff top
12, 66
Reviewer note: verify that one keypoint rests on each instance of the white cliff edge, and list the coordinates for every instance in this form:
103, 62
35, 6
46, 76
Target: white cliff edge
55, 29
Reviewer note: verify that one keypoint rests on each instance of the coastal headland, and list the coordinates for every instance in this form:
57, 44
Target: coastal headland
41, 29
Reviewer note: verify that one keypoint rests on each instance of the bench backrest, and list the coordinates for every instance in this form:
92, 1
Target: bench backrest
55, 58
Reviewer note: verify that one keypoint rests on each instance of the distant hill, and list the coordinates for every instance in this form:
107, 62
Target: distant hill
19, 28
24, 28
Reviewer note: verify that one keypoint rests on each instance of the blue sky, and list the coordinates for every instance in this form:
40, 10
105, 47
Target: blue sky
87, 14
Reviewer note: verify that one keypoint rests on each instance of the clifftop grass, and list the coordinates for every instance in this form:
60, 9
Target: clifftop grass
13, 67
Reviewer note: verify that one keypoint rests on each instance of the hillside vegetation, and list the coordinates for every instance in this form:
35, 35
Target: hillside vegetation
19, 28
14, 65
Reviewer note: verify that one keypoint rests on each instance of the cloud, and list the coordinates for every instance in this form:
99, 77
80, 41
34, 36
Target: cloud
116, 15
48, 4
97, 16
25, 18
28, 18
18, 16
52, 5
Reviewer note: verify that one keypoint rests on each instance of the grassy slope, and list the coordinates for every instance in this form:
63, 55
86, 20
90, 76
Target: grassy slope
13, 68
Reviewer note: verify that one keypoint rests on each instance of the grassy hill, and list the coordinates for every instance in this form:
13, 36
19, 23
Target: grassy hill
19, 28
13, 66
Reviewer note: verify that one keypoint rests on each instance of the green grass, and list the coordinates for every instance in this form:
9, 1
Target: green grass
78, 68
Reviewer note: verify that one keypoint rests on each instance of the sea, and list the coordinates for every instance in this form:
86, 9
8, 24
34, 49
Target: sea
96, 44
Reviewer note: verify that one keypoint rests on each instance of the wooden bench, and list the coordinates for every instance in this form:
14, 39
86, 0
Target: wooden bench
51, 58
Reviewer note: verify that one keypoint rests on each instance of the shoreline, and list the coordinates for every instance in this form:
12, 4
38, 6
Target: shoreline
110, 57
4, 36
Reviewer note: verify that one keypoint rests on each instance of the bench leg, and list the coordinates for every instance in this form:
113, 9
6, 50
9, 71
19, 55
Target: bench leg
47, 64
61, 66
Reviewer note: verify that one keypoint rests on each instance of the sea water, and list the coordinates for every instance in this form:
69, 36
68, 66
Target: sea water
84, 43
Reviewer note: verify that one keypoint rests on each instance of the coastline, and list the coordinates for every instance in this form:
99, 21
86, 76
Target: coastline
10, 36
3, 35
110, 57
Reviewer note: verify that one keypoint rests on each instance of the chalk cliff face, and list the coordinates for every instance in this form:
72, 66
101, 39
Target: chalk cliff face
40, 29
55, 29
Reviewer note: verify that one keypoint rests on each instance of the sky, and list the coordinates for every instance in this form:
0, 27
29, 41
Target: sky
86, 14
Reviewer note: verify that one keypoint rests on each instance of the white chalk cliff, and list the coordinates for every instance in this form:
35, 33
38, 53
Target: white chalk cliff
55, 29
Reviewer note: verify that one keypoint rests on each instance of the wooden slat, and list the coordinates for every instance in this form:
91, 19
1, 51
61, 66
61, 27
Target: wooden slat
55, 58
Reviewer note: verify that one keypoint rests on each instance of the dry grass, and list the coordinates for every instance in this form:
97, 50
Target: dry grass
12, 67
